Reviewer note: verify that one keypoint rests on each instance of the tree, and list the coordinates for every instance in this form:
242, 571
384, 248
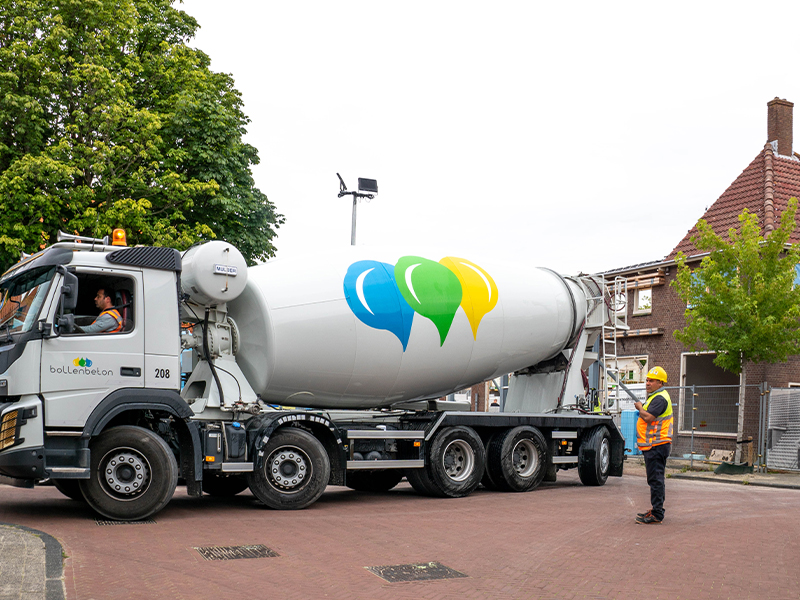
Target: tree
741, 300
110, 120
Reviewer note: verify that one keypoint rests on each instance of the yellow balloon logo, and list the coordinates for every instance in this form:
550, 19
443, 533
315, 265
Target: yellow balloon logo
479, 289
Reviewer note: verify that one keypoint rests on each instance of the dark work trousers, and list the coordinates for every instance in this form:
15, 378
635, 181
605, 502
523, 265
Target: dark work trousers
655, 461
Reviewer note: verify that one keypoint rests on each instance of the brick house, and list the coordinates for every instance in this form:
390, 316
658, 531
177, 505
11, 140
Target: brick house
654, 310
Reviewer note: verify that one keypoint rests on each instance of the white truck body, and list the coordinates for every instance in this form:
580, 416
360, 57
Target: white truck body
364, 340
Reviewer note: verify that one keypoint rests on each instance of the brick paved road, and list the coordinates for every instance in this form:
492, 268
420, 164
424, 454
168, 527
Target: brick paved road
561, 541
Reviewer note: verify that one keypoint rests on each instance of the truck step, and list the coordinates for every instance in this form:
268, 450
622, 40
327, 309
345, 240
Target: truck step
381, 434
237, 467
68, 472
385, 464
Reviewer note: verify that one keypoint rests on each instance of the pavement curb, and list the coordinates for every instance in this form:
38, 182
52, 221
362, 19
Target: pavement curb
54, 562
785, 486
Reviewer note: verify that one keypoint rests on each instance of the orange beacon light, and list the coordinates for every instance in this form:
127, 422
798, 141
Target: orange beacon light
118, 238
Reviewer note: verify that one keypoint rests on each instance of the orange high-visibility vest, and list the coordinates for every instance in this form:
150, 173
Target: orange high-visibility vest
116, 316
659, 431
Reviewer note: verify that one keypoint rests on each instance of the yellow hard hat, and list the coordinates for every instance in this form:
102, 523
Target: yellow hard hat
657, 373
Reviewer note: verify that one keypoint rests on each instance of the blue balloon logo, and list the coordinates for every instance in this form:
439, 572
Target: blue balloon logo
373, 296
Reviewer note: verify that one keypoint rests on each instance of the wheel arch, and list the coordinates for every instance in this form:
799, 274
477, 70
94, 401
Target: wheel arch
263, 427
128, 406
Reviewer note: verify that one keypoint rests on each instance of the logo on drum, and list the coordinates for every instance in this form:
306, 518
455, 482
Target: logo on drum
385, 296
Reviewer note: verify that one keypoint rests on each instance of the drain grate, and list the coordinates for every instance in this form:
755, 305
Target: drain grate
415, 572
233, 552
145, 522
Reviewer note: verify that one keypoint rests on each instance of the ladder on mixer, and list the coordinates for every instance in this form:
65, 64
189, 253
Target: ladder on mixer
617, 301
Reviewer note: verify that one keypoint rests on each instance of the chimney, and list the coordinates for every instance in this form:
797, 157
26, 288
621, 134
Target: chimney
779, 124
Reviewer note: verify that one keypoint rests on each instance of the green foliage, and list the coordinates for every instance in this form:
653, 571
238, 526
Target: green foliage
110, 120
742, 301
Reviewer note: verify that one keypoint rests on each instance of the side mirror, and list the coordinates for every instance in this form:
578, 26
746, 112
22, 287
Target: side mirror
66, 324
69, 291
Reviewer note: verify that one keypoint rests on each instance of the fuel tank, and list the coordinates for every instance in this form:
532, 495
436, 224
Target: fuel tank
367, 327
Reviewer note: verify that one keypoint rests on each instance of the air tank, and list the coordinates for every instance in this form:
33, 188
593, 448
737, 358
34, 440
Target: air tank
368, 328
213, 273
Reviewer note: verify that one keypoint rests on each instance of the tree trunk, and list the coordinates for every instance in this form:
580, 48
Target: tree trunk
740, 423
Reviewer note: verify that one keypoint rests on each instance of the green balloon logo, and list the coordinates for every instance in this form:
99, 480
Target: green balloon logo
431, 289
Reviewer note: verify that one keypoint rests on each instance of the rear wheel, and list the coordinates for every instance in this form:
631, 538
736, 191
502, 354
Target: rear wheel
457, 461
594, 457
421, 482
374, 481
133, 474
517, 459
487, 481
294, 473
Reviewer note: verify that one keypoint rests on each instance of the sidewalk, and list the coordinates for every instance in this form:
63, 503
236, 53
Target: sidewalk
679, 468
30, 565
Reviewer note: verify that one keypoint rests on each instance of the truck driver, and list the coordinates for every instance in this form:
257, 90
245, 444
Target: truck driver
109, 320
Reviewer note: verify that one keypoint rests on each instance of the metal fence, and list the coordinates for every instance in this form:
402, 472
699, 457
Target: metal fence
782, 440
706, 412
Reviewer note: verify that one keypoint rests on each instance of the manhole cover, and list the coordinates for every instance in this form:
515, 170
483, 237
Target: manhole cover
415, 572
145, 522
232, 552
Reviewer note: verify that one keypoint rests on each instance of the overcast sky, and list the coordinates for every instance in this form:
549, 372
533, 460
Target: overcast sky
580, 136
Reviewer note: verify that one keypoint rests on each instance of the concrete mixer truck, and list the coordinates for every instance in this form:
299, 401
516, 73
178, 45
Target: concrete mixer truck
305, 372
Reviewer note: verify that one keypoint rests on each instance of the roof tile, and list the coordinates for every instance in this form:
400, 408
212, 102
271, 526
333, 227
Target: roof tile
747, 191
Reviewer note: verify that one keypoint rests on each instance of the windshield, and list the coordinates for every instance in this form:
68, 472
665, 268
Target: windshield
22, 297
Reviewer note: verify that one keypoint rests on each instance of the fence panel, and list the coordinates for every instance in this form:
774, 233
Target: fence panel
783, 429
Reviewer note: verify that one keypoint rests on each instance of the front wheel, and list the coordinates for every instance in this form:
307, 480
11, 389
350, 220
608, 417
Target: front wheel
133, 474
294, 473
594, 457
71, 488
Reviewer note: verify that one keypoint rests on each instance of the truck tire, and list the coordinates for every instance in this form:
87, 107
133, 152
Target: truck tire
421, 482
517, 459
594, 457
71, 488
373, 481
487, 481
457, 460
133, 474
223, 486
294, 473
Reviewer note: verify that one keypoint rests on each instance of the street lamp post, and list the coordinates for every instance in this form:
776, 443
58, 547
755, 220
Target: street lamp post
367, 188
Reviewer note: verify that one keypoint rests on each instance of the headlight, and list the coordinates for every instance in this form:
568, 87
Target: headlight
8, 430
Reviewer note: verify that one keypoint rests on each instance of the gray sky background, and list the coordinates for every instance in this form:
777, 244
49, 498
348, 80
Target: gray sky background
579, 136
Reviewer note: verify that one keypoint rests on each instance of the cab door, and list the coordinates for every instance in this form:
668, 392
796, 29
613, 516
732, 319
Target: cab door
79, 370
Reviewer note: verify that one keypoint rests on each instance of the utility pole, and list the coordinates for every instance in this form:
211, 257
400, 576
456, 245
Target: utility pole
367, 188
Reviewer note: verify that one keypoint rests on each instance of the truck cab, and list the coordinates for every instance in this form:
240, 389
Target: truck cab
60, 384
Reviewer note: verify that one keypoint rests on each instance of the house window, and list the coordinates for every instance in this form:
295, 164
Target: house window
716, 399
643, 301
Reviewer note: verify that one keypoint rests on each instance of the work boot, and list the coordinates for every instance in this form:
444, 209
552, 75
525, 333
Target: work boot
644, 514
648, 519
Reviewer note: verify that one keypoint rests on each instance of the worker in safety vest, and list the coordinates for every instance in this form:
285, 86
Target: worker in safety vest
109, 320
654, 439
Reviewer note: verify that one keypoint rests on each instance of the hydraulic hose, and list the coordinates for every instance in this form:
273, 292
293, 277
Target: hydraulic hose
211, 366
